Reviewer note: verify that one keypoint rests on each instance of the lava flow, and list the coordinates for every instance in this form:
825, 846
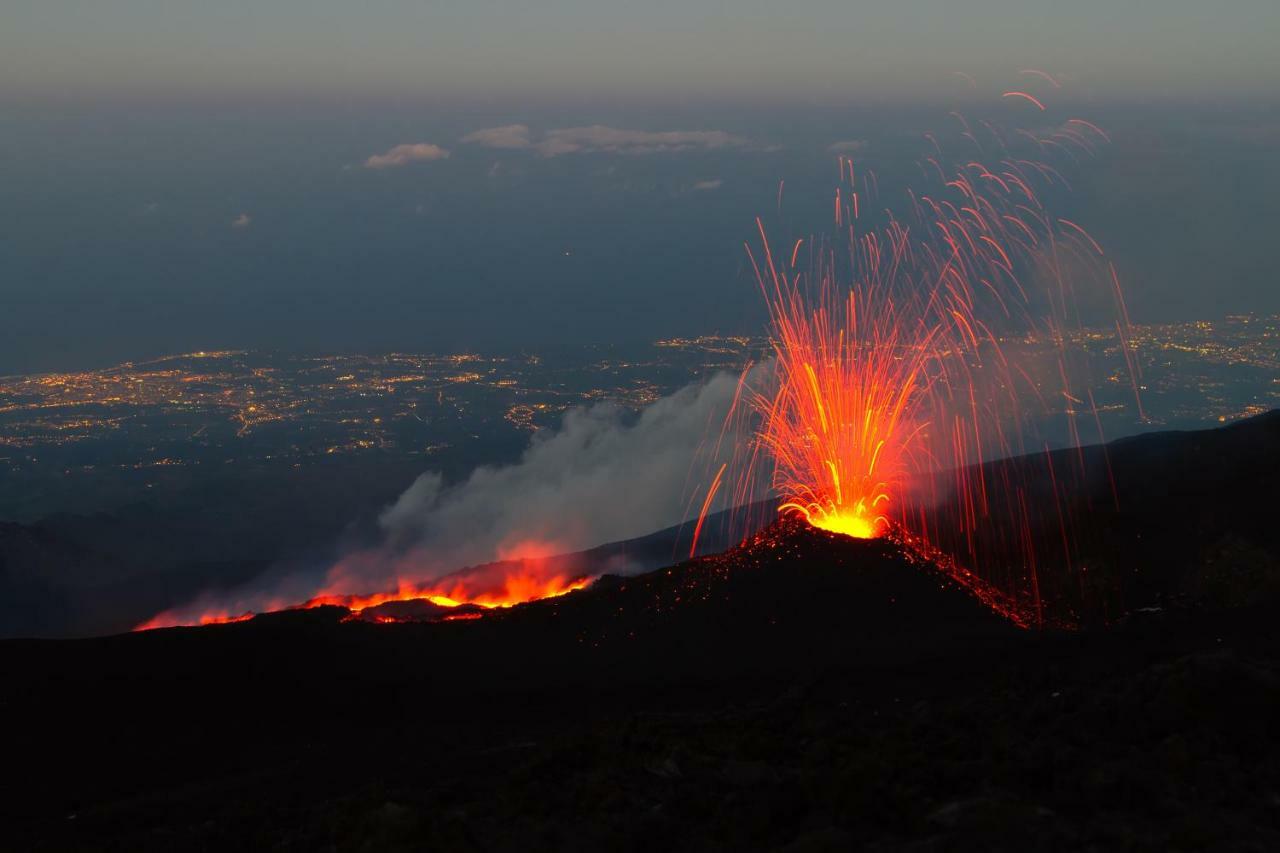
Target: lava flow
489, 587
465, 594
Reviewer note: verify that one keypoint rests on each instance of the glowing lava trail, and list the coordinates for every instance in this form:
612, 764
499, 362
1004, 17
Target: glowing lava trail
491, 587
893, 371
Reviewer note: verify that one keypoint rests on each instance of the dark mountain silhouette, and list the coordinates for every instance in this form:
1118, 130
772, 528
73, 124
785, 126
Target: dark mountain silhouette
1141, 522
207, 529
803, 692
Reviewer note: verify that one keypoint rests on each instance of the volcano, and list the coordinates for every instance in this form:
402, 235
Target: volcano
789, 571
803, 690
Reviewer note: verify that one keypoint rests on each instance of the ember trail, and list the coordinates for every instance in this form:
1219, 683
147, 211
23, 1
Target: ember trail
893, 380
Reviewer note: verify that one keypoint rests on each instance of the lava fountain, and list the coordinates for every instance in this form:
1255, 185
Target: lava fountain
842, 424
892, 378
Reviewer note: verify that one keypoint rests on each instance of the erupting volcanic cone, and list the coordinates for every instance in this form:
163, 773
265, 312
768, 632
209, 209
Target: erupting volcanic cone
899, 361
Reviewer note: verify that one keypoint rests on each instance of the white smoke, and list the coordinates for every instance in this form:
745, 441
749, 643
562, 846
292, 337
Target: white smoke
604, 475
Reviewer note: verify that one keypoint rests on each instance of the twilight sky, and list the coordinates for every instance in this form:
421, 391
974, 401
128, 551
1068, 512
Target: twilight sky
326, 175
658, 48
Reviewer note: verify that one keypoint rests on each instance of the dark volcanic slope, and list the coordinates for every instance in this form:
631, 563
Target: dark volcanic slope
1152, 520
809, 692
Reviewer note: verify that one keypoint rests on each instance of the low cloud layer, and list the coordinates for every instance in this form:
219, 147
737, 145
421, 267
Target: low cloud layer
507, 136
403, 155
599, 138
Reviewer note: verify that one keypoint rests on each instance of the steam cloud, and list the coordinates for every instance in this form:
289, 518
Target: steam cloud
403, 155
597, 479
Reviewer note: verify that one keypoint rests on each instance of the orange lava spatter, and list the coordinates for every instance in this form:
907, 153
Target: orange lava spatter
893, 376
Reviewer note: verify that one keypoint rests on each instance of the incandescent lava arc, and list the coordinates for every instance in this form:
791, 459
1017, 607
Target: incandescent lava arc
896, 369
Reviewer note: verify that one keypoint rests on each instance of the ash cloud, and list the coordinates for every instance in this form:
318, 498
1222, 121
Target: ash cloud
403, 155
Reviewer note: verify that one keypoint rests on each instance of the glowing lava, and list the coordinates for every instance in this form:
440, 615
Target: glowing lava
844, 424
855, 524
840, 427
496, 586
509, 588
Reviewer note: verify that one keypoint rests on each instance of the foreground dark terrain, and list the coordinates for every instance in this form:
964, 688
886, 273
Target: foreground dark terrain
804, 692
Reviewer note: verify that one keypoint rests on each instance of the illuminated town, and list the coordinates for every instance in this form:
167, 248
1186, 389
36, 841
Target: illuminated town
227, 408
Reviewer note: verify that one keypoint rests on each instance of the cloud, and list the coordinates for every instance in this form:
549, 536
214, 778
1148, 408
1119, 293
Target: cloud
847, 146
244, 220
713, 184
507, 136
402, 155
598, 138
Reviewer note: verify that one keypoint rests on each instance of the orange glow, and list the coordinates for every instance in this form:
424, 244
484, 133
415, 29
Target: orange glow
492, 587
839, 428
530, 549
166, 620
497, 586
857, 524
852, 365
224, 620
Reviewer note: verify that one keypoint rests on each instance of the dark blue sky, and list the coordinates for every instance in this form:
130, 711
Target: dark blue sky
178, 176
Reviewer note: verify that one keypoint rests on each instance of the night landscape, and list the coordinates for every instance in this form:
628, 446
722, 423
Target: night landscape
588, 427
